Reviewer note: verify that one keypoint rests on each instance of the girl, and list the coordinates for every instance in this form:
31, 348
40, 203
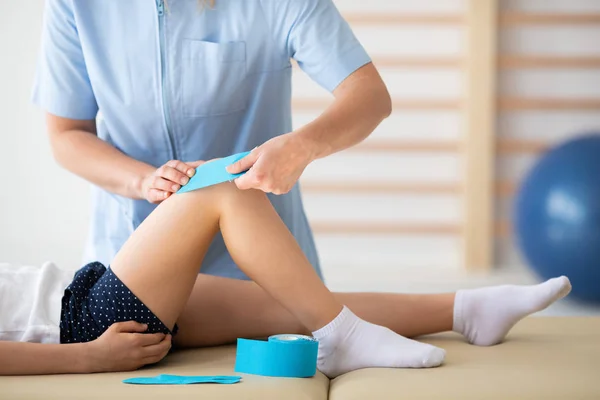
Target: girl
154, 281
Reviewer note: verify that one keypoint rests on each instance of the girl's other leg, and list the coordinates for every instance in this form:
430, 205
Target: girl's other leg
221, 310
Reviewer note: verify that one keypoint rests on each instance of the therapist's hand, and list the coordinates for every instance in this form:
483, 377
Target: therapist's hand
166, 180
275, 166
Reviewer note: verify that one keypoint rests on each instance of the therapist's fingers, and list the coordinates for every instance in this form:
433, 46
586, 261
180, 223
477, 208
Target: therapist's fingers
155, 196
248, 181
244, 164
195, 164
184, 168
173, 175
165, 185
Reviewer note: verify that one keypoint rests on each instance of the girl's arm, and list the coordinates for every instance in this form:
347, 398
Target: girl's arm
123, 347
37, 359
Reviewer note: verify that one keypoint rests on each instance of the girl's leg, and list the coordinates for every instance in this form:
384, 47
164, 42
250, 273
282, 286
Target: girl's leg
160, 261
221, 310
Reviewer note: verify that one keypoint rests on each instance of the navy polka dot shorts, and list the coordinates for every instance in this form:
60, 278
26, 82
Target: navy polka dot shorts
95, 300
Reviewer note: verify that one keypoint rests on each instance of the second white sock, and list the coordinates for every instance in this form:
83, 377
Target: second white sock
484, 316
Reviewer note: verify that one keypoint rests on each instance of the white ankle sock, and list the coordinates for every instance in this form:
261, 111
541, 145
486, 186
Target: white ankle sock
484, 316
348, 343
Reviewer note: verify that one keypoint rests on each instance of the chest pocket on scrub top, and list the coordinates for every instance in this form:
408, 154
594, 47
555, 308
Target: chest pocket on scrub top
213, 78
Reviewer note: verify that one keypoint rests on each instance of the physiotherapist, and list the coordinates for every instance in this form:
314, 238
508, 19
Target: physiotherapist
137, 93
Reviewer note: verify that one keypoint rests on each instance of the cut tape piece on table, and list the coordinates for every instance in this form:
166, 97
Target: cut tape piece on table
288, 356
182, 380
213, 173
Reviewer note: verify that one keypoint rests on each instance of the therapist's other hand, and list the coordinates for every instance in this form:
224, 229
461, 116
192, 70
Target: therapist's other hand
275, 166
167, 179
125, 347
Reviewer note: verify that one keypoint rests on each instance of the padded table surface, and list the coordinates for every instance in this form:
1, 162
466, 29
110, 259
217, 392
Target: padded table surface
210, 361
542, 358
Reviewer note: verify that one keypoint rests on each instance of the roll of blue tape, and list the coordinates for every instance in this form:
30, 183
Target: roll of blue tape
287, 356
213, 173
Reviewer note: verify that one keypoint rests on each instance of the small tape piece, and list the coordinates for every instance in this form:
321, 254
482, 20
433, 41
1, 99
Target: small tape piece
183, 380
213, 173
289, 356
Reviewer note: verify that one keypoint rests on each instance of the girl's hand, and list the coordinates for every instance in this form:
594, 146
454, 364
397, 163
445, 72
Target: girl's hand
166, 180
124, 347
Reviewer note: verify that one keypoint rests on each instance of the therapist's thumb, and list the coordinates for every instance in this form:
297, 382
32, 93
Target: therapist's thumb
244, 164
195, 164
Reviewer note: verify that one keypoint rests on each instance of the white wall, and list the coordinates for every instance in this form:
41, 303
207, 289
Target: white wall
358, 257
43, 209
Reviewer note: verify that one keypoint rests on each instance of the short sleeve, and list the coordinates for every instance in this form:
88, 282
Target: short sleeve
319, 39
62, 85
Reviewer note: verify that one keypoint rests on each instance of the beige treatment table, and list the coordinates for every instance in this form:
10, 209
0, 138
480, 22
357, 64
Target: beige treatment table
542, 358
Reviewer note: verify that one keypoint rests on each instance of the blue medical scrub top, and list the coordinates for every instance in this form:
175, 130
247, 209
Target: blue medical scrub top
188, 83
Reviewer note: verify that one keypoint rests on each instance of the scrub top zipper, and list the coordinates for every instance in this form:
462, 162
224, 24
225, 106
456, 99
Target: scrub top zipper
160, 5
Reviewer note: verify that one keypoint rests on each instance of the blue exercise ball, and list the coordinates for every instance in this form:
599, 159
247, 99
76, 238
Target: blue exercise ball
557, 221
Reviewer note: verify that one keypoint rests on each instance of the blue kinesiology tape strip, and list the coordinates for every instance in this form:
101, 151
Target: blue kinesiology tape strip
182, 380
213, 173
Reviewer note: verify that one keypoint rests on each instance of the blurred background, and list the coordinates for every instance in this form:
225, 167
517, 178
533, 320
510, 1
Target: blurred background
399, 212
